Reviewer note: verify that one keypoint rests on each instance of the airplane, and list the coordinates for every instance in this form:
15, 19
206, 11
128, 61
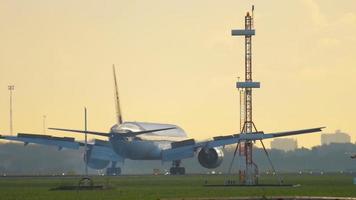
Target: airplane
147, 141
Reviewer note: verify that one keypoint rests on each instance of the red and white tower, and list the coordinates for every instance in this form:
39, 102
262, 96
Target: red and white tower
248, 172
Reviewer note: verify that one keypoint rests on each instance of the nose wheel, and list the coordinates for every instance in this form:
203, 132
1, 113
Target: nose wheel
176, 169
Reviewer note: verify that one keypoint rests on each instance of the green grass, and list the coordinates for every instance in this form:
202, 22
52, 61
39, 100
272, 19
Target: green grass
158, 187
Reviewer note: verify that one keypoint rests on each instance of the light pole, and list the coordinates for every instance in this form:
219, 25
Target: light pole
11, 88
86, 141
44, 124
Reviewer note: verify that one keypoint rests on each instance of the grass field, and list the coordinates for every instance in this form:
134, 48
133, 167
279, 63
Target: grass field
158, 187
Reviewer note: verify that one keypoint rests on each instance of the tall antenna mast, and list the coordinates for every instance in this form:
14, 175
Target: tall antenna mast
247, 173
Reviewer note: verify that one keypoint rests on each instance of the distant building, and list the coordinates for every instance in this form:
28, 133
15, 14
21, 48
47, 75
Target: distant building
337, 137
285, 144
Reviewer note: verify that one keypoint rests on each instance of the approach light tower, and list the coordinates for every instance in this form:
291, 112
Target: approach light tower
248, 172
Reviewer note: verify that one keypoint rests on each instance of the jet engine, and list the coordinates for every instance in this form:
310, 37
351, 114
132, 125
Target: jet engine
210, 157
95, 163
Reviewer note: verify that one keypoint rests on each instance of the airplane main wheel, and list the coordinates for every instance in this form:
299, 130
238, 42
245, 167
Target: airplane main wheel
177, 170
113, 171
181, 170
173, 170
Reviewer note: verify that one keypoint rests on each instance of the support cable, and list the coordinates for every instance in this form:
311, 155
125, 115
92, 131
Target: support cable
270, 162
233, 158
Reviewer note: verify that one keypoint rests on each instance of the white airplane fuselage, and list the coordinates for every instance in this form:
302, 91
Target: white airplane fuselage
145, 147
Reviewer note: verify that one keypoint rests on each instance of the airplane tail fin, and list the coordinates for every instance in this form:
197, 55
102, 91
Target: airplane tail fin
117, 100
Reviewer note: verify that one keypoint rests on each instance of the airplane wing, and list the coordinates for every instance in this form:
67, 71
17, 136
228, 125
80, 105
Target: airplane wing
101, 149
60, 142
188, 148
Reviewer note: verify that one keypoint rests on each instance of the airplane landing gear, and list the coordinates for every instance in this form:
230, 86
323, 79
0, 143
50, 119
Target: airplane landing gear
113, 170
176, 169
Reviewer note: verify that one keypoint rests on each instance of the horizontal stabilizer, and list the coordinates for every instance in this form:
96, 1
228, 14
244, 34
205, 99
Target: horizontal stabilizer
133, 134
124, 134
81, 131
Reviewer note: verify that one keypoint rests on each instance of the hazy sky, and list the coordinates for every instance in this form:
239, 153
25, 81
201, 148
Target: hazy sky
178, 64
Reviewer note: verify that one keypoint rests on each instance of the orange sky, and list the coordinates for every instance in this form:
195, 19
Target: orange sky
178, 64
